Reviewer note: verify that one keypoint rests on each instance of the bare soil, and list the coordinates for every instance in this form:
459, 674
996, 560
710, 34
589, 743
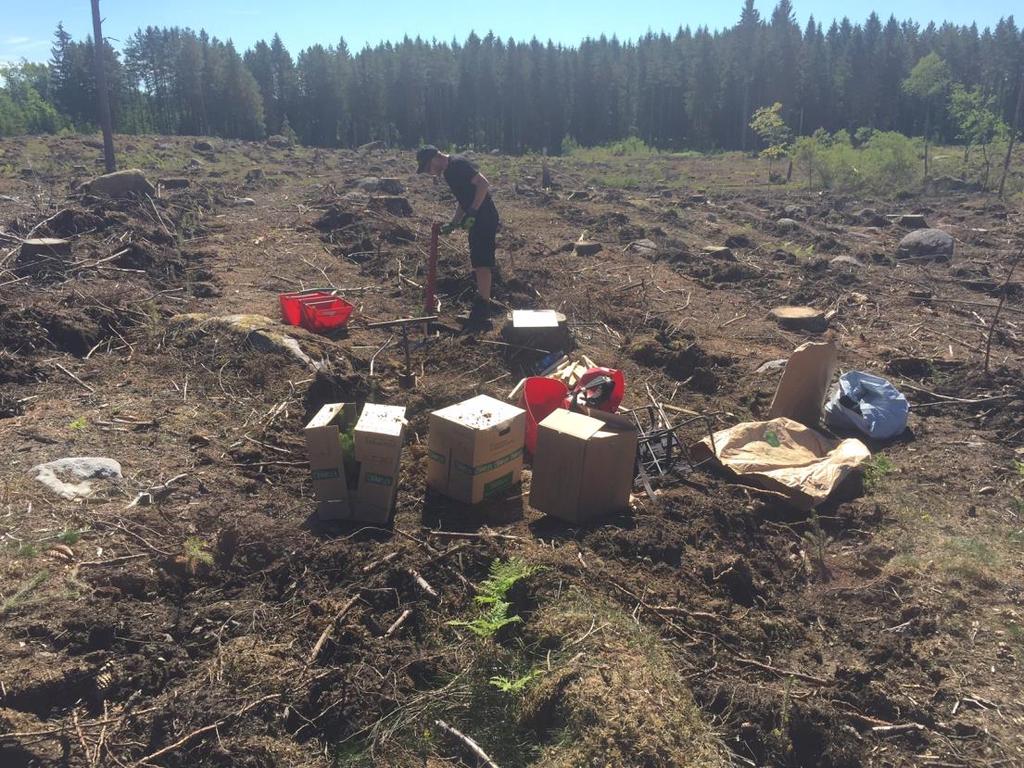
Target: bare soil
197, 613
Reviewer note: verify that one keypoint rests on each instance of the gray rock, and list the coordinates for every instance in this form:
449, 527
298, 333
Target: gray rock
931, 244
121, 184
202, 146
391, 187
277, 141
787, 224
72, 478
793, 211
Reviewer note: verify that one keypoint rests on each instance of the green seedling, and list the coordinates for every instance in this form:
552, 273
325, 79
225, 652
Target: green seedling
78, 424
69, 537
23, 592
772, 439
875, 469
196, 554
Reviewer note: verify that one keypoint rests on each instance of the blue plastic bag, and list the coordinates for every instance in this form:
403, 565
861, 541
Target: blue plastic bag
869, 404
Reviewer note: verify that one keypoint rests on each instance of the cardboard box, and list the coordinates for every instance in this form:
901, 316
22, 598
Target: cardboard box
475, 449
583, 466
364, 489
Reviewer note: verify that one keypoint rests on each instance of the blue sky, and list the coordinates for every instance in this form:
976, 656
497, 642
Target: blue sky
26, 26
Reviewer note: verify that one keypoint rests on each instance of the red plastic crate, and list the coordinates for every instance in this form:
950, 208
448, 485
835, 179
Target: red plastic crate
291, 304
322, 315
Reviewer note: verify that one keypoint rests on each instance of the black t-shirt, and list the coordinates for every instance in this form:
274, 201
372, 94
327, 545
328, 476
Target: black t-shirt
459, 175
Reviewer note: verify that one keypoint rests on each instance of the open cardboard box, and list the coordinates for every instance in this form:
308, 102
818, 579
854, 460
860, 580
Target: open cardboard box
583, 467
357, 478
475, 449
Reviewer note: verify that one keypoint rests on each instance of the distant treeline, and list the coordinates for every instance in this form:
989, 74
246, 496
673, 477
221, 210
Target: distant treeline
695, 89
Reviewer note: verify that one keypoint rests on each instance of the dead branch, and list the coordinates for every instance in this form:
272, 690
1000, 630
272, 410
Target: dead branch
471, 745
422, 583
999, 308
75, 378
330, 626
398, 622
783, 672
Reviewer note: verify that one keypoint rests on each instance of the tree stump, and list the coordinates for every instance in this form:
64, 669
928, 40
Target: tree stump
800, 318
43, 254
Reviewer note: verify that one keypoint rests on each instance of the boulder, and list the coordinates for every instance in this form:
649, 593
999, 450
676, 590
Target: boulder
277, 141
368, 184
202, 146
72, 478
929, 244
787, 225
793, 211
255, 175
391, 186
121, 184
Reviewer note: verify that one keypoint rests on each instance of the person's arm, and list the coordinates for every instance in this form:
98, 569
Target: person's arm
482, 188
457, 216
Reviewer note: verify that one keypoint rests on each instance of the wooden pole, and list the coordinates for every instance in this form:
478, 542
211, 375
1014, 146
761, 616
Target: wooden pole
430, 292
103, 98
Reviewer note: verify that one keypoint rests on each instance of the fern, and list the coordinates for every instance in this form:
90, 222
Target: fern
514, 685
503, 576
492, 594
490, 621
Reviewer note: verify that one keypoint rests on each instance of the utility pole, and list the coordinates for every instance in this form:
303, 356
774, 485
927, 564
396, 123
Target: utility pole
1013, 131
103, 98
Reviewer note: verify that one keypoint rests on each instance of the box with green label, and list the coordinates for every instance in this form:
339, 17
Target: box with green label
355, 458
475, 449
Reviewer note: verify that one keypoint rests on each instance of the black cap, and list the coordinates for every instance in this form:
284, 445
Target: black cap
424, 155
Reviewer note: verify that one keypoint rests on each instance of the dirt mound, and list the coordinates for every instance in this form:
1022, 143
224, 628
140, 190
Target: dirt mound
683, 359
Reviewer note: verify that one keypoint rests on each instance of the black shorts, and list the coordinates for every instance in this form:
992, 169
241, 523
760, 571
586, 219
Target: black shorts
482, 242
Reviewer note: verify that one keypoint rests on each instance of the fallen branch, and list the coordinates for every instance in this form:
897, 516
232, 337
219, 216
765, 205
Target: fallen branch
898, 728
423, 583
75, 378
330, 626
199, 732
471, 745
398, 622
783, 672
